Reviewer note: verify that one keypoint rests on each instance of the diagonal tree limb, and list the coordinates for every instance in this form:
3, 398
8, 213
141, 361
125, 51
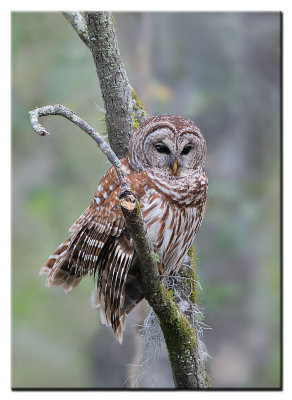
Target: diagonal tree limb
63, 111
79, 25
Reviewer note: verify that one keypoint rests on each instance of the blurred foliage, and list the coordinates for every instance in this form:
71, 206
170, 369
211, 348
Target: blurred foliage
223, 71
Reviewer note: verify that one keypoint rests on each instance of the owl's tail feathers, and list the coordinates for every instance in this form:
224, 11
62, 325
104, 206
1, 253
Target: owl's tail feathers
58, 270
128, 300
97, 301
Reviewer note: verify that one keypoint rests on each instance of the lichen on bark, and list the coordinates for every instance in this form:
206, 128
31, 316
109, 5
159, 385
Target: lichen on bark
139, 113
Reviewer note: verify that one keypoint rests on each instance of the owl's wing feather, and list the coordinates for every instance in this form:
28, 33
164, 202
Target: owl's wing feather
99, 244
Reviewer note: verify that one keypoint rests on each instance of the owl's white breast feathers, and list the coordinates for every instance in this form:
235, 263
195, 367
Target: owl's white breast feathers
168, 226
185, 190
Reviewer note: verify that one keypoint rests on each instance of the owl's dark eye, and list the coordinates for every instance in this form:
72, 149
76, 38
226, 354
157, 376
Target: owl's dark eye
186, 150
161, 148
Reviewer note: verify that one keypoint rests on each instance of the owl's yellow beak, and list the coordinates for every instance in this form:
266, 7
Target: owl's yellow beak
174, 167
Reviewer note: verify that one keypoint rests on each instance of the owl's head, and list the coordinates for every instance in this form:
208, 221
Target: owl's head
170, 143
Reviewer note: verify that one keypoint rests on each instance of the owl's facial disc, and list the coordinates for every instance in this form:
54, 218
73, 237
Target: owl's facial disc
174, 153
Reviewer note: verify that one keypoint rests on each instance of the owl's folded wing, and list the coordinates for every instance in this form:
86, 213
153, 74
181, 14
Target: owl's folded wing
99, 243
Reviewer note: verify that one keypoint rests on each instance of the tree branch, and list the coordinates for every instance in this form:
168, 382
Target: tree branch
63, 111
79, 25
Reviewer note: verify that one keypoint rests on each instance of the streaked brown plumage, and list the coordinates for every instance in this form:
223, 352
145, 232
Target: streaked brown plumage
165, 168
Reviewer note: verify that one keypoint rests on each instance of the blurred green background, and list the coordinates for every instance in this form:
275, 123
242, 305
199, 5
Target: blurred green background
223, 71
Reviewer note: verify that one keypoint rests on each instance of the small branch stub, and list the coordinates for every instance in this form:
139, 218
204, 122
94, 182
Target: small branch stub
128, 201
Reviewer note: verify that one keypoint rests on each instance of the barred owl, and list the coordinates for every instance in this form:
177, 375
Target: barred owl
165, 167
